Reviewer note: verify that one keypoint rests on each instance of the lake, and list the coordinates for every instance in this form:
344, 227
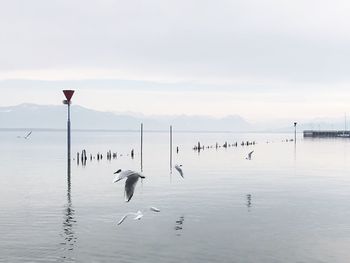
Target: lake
289, 203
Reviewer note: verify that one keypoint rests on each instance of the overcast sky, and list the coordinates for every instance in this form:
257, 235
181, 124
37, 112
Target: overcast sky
261, 59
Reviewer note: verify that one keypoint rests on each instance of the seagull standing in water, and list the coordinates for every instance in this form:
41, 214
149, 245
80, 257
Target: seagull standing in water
249, 157
130, 183
137, 215
179, 169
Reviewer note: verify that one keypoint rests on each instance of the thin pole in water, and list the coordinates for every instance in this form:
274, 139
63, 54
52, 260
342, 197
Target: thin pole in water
68, 139
295, 143
141, 146
345, 123
68, 94
171, 147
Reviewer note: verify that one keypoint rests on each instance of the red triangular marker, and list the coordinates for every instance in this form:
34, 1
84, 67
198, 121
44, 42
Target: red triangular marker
68, 94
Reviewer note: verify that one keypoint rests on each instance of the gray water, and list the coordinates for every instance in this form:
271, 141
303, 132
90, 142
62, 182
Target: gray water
287, 204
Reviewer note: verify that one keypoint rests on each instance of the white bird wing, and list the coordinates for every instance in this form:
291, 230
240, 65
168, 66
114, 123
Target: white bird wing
138, 216
154, 209
122, 175
130, 185
179, 169
124, 217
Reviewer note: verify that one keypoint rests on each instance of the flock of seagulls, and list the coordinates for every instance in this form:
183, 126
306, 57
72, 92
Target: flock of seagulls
132, 178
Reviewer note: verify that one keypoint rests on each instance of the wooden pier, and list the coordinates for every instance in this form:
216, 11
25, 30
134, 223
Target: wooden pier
326, 134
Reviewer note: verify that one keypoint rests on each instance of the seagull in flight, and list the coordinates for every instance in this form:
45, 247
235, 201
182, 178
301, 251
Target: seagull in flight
138, 215
25, 137
179, 169
130, 183
249, 157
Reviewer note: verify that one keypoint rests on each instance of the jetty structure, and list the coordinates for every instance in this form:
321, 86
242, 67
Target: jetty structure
326, 134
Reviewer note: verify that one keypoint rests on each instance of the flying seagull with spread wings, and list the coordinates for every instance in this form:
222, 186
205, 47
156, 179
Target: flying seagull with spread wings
138, 215
25, 137
249, 157
179, 169
131, 179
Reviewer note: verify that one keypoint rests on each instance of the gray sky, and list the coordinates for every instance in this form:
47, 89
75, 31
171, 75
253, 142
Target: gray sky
260, 59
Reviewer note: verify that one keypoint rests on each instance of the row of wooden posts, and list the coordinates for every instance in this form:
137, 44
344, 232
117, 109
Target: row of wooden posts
82, 157
113, 155
199, 146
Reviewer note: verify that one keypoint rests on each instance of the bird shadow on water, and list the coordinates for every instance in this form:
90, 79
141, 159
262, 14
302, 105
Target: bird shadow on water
68, 225
179, 225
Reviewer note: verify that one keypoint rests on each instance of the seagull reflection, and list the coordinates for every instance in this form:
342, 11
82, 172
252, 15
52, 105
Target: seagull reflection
249, 201
179, 225
68, 224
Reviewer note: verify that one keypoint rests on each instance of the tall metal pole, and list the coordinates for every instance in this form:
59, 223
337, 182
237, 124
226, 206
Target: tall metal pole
171, 147
68, 94
68, 139
141, 147
295, 143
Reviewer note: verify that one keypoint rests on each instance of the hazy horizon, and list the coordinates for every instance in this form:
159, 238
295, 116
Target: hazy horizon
39, 116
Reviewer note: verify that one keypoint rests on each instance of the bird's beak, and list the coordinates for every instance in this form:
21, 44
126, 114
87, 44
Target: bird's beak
116, 180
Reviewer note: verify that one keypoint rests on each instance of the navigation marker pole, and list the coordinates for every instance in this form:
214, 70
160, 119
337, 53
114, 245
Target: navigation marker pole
68, 94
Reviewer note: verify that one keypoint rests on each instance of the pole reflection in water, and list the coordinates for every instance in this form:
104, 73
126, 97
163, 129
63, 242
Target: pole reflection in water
171, 148
249, 201
295, 159
141, 147
171, 153
69, 223
179, 225
295, 145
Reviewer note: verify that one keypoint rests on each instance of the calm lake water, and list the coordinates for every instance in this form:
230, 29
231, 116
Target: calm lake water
287, 204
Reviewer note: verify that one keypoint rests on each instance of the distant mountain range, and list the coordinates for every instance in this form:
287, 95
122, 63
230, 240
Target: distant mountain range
55, 117
32, 116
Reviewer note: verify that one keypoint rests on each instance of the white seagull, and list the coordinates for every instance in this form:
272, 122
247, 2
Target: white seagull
130, 183
249, 157
179, 169
137, 215
25, 137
